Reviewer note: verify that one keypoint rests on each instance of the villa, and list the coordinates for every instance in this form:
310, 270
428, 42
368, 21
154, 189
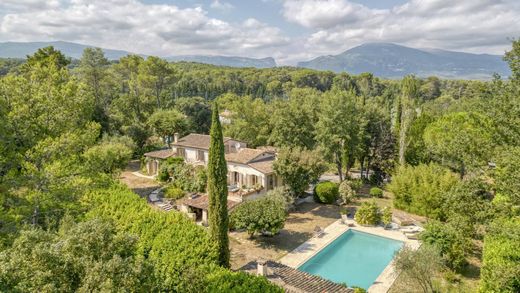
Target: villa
250, 171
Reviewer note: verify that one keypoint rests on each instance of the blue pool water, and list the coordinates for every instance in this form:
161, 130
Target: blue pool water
354, 258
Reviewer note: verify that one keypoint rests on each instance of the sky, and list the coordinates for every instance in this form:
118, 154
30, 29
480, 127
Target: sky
287, 30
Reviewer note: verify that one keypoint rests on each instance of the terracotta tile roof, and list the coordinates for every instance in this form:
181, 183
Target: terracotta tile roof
160, 154
265, 165
201, 201
244, 155
293, 280
268, 148
194, 140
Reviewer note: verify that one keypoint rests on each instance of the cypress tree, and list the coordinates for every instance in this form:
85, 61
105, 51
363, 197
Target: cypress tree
217, 189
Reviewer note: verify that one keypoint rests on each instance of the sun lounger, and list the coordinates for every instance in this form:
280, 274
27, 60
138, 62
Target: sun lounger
411, 229
413, 236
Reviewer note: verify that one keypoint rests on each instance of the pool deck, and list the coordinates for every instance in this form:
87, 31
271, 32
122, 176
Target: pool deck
312, 246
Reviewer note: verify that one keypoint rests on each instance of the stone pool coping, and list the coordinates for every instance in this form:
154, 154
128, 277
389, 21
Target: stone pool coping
311, 247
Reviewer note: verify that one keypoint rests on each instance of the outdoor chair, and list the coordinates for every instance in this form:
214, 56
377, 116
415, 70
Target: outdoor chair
318, 231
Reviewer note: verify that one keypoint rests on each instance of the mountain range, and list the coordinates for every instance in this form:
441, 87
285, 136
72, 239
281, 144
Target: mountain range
385, 60
395, 61
74, 50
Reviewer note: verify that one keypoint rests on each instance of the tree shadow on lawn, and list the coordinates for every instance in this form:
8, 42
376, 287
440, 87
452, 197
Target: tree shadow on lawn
285, 241
144, 191
320, 210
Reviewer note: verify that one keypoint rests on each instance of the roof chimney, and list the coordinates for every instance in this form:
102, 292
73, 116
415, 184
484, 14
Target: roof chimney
175, 137
261, 267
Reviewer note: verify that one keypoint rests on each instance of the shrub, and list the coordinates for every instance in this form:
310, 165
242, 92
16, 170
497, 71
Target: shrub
266, 214
356, 184
184, 176
368, 213
376, 192
501, 257
173, 192
451, 243
326, 192
422, 189
386, 215
346, 192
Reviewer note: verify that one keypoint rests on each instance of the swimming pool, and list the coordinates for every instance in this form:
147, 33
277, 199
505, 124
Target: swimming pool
355, 258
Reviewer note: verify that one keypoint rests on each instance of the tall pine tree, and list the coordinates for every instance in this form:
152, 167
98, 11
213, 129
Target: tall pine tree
217, 189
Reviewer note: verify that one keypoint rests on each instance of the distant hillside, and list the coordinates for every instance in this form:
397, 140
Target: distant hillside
395, 61
227, 60
74, 50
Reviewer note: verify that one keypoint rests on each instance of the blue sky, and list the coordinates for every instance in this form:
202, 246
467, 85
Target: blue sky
288, 30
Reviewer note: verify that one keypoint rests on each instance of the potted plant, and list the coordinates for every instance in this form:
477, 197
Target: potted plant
344, 214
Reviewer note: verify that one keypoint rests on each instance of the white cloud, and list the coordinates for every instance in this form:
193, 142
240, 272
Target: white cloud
138, 27
221, 5
466, 25
330, 26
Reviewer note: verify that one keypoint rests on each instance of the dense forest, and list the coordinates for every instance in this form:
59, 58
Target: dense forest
67, 127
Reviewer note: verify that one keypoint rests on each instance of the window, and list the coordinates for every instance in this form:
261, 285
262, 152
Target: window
181, 152
200, 156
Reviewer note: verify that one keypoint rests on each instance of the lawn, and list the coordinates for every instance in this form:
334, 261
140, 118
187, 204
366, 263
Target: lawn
298, 228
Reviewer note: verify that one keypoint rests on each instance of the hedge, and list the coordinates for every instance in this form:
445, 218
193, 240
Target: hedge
326, 192
176, 246
501, 257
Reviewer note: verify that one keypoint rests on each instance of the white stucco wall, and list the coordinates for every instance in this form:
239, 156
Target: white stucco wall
191, 155
246, 170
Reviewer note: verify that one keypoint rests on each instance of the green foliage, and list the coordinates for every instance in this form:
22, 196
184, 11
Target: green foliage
356, 184
368, 213
250, 120
461, 140
197, 111
111, 155
172, 192
184, 176
416, 152
513, 58
346, 192
217, 190
183, 255
89, 256
422, 189
468, 206
337, 127
169, 240
299, 168
506, 175
326, 192
293, 122
453, 245
501, 265
386, 215
167, 122
419, 266
376, 192
266, 214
